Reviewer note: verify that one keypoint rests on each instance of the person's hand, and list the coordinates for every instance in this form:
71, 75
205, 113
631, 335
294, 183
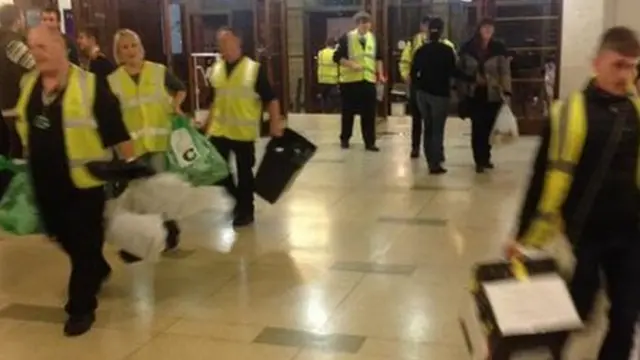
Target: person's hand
276, 129
356, 67
177, 110
512, 249
382, 78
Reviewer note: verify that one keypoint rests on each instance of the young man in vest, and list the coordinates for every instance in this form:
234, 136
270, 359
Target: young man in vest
240, 89
15, 61
66, 118
406, 61
360, 60
52, 18
586, 181
327, 74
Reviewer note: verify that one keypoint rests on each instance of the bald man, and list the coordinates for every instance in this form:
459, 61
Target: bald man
65, 119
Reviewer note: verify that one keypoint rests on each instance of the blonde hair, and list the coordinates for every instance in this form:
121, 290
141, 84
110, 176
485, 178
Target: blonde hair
121, 34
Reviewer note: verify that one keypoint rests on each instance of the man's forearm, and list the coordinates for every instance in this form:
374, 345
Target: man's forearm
380, 67
348, 63
179, 98
273, 108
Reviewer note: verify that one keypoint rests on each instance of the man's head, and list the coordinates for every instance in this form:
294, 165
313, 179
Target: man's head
424, 24
363, 22
229, 44
48, 48
617, 57
50, 17
331, 42
436, 29
88, 39
11, 17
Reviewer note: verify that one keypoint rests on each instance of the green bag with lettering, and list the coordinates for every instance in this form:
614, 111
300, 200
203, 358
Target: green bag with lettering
18, 212
192, 156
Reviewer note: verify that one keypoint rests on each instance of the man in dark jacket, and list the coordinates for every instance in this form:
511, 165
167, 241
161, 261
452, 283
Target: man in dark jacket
15, 61
51, 18
98, 63
586, 177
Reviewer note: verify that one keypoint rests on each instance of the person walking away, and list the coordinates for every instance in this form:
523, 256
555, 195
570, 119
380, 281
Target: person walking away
52, 18
586, 177
432, 71
66, 118
406, 60
150, 95
98, 63
327, 75
360, 60
15, 61
240, 89
486, 60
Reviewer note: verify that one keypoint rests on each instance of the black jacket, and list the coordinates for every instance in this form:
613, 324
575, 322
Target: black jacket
433, 68
615, 206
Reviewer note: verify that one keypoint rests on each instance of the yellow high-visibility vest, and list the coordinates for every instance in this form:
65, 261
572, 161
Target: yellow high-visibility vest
146, 106
406, 58
237, 108
568, 136
363, 55
81, 137
327, 68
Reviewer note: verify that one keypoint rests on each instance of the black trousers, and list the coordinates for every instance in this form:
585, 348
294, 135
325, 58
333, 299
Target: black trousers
245, 154
10, 144
617, 258
78, 226
329, 97
416, 120
359, 98
483, 117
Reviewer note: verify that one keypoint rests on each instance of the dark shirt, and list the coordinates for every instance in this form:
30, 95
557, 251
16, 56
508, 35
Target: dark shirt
171, 82
433, 68
615, 208
47, 150
101, 67
262, 87
342, 51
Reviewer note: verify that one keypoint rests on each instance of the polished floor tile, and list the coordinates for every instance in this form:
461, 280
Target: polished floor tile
366, 257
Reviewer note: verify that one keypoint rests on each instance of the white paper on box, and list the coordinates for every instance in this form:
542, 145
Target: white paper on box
540, 304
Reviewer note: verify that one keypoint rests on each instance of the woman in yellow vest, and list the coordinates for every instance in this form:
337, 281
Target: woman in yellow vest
66, 119
149, 96
327, 74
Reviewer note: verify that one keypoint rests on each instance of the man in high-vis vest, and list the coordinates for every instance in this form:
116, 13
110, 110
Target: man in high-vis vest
406, 60
240, 90
586, 182
327, 74
66, 119
360, 60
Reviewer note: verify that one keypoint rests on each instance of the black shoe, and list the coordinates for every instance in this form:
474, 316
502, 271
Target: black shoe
437, 171
415, 154
173, 235
480, 169
372, 148
128, 257
345, 145
77, 325
489, 166
242, 221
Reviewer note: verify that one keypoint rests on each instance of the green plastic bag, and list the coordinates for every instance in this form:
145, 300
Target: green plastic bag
18, 213
192, 156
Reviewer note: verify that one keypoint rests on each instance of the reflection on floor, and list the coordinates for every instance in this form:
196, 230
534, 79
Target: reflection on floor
366, 258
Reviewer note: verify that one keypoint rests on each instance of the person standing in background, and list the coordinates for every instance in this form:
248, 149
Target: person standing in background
360, 60
432, 71
52, 18
486, 60
327, 74
406, 60
240, 90
98, 63
15, 61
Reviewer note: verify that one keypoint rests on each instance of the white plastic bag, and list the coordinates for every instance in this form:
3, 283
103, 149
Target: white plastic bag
505, 129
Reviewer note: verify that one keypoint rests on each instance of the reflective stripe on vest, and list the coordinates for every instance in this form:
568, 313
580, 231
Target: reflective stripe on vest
237, 108
82, 140
327, 68
363, 55
146, 106
568, 136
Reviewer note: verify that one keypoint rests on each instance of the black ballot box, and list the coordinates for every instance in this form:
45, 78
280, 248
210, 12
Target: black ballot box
283, 159
532, 288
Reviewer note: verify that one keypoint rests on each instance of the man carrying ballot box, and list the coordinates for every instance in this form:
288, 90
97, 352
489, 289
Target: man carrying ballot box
586, 181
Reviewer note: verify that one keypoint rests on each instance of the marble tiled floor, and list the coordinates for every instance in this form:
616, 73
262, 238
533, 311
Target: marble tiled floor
365, 258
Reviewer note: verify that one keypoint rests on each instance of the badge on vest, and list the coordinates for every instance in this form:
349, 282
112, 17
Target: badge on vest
42, 122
